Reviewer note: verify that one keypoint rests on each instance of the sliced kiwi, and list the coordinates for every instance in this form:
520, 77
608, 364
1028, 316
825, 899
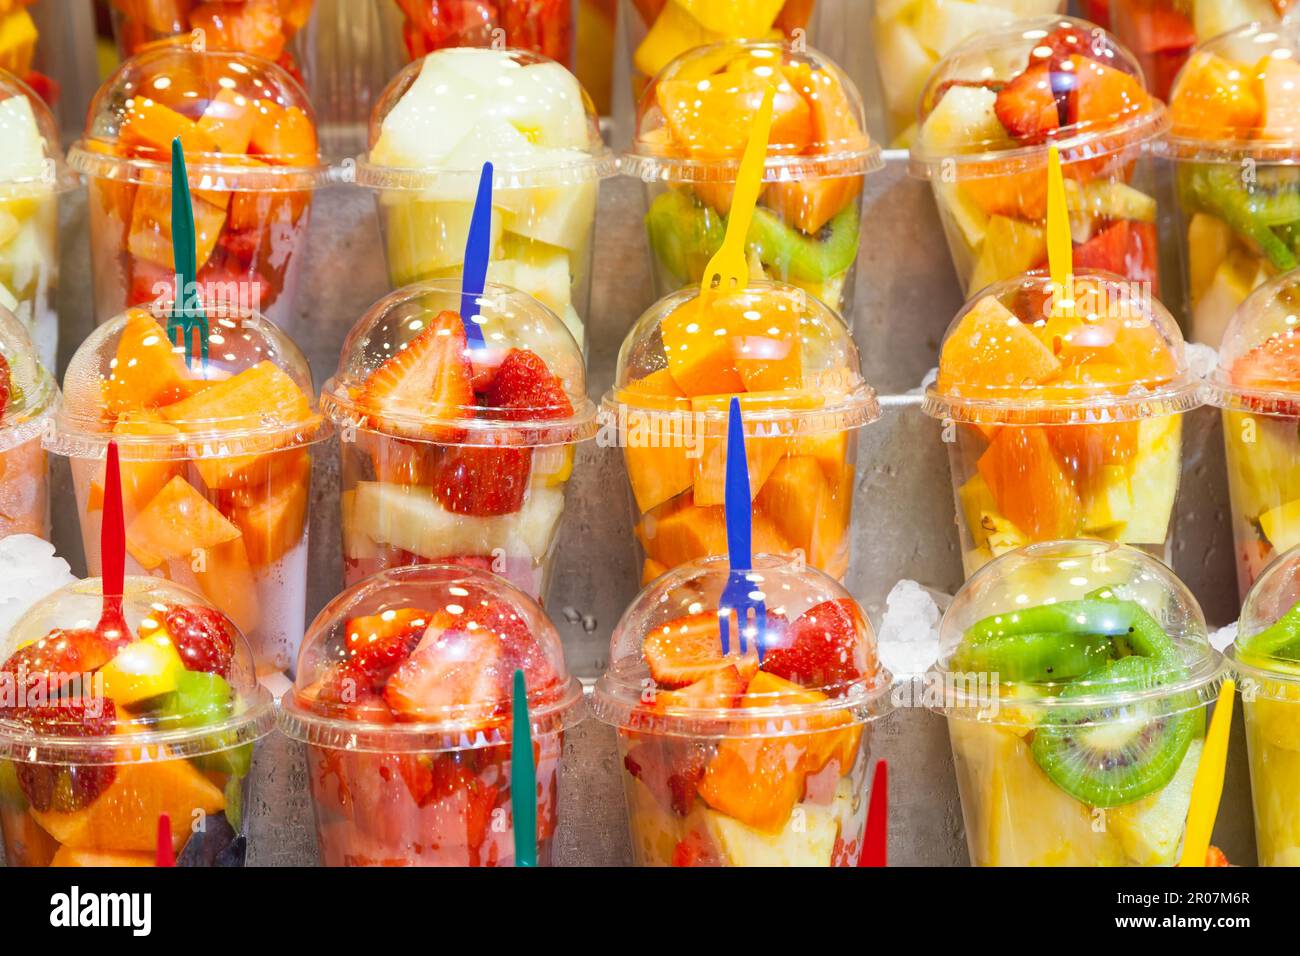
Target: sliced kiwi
1111, 754
1039, 658
794, 255
683, 234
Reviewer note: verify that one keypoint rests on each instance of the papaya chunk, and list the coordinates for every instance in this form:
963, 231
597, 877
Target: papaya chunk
1030, 484
227, 580
174, 524
273, 525
149, 127
147, 370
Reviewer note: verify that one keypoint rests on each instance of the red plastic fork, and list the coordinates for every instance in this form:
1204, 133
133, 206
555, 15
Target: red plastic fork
875, 838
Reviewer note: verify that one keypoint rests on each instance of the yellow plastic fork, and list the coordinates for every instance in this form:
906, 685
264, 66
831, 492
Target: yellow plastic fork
1207, 787
1060, 260
729, 267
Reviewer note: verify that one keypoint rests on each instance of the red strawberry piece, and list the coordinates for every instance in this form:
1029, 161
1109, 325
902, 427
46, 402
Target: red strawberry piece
825, 648
46, 87
345, 690
519, 647
448, 674
721, 688
202, 636
1105, 250
4, 385
544, 26
695, 849
67, 787
671, 769
1027, 106
689, 649
56, 661
1157, 28
482, 481
149, 283
526, 390
427, 380
380, 642
448, 777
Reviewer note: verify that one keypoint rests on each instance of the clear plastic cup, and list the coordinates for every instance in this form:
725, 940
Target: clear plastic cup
546, 27
1162, 33
792, 363
251, 154
436, 124
692, 126
659, 31
471, 470
1233, 147
403, 697
32, 174
729, 761
1063, 426
115, 722
28, 396
264, 28
1076, 677
990, 111
1257, 384
216, 462
1265, 659
912, 36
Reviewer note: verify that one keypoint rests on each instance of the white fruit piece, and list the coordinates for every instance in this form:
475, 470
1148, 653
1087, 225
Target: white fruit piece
942, 24
1212, 17
536, 268
1237, 276
23, 156
1155, 472
808, 838
905, 65
1151, 829
356, 545
544, 102
410, 518
435, 113
425, 237
971, 221
962, 118
560, 216
1029, 8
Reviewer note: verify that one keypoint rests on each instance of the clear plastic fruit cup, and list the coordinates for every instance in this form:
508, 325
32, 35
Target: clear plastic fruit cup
216, 462
991, 109
659, 31
1076, 677
792, 363
1257, 385
263, 28
32, 175
752, 753
251, 154
455, 453
403, 698
28, 397
435, 126
1233, 143
912, 36
115, 721
693, 124
1063, 424
546, 27
1162, 33
1265, 659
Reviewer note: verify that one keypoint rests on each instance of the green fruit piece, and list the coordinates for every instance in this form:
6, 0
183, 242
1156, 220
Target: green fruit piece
683, 234
1144, 635
11, 793
1111, 754
235, 801
1089, 616
1038, 658
233, 760
1281, 639
796, 256
1249, 210
200, 699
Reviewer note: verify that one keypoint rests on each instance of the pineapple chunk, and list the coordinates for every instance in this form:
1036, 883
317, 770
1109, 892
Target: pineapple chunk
1212, 17
942, 24
972, 221
1208, 240
1237, 276
1155, 473
964, 116
976, 499
808, 839
1011, 246
1151, 829
1111, 501
1281, 525
1003, 535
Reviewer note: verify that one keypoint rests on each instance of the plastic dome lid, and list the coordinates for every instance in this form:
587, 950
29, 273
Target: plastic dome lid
1267, 647
130, 383
1015, 90
244, 122
28, 393
1239, 95
526, 383
1116, 355
694, 119
423, 658
1259, 357
667, 672
31, 163
789, 358
179, 679
445, 115
1054, 627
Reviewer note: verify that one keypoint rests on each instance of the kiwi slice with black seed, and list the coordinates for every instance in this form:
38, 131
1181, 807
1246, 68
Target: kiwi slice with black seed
1040, 658
793, 255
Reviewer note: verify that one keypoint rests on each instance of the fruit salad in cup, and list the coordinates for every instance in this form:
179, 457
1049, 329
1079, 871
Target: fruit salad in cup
693, 124
250, 146
749, 749
435, 126
1063, 417
990, 111
403, 698
216, 462
457, 451
1257, 384
28, 396
1076, 678
540, 26
912, 36
116, 715
793, 366
1265, 659
1233, 142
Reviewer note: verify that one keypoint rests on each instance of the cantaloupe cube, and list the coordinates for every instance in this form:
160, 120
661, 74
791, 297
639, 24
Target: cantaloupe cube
102, 858
228, 121
227, 581
766, 340
755, 780
657, 474
284, 136
150, 127
679, 531
699, 352
1030, 485
810, 512
146, 371
174, 524
834, 736
658, 391
142, 479
831, 449
150, 237
992, 349
274, 525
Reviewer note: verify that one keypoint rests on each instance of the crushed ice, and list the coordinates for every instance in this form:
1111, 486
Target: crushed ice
908, 640
29, 570
1222, 639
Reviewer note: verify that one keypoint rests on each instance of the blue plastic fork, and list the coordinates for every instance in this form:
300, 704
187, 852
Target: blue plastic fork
187, 315
478, 250
741, 594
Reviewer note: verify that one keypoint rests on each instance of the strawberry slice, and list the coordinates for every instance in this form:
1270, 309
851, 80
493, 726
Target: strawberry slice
826, 649
1027, 106
428, 379
524, 389
345, 690
696, 849
380, 642
689, 649
57, 660
721, 688
482, 481
4, 385
448, 673
67, 787
202, 636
